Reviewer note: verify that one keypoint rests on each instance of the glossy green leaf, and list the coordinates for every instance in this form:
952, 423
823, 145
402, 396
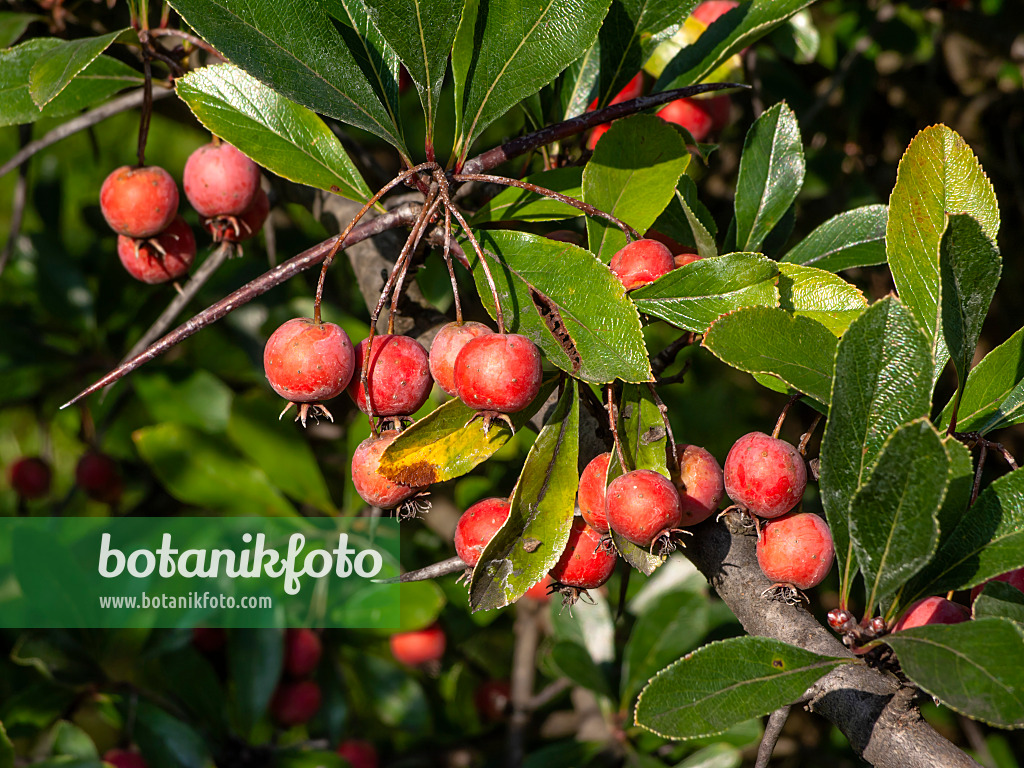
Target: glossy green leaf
515, 204
52, 71
852, 239
880, 364
724, 39
543, 504
199, 469
291, 46
973, 667
98, 81
994, 395
280, 135
642, 430
575, 663
567, 303
937, 176
797, 350
970, 266
578, 83
166, 741
631, 175
672, 626
687, 221
506, 50
695, 295
958, 492
255, 661
13, 26
1000, 600
988, 540
821, 296
421, 32
727, 682
448, 442
198, 399
893, 515
770, 176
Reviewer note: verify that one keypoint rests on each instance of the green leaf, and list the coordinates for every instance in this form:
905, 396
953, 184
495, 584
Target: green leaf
937, 176
727, 682
277, 133
988, 540
98, 81
578, 82
642, 430
970, 266
505, 50
199, 469
961, 483
448, 442
6, 749
893, 524
543, 504
821, 296
52, 71
1000, 600
695, 295
280, 450
255, 659
421, 604
166, 741
994, 395
598, 330
292, 46
798, 350
673, 625
852, 239
421, 32
724, 39
13, 26
515, 204
881, 363
197, 399
632, 175
770, 176
798, 39
575, 663
973, 667
70, 740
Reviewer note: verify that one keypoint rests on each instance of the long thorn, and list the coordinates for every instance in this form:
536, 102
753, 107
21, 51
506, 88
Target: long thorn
443, 568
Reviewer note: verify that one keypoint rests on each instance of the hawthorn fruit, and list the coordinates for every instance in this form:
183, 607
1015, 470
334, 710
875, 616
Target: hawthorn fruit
219, 180
796, 549
30, 477
399, 376
161, 258
477, 526
139, 202
764, 474
642, 505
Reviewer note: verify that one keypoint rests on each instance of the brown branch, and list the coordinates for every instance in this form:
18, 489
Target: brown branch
772, 731
196, 41
524, 670
18, 203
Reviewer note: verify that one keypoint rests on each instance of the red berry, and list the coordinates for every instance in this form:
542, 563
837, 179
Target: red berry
477, 527
375, 489
591, 494
446, 346
632, 90
219, 180
418, 647
235, 229
295, 703
97, 475
539, 591
493, 699
123, 758
708, 11
399, 376
765, 474
932, 610
498, 372
209, 639
359, 753
702, 486
302, 651
307, 362
30, 477
596, 133
720, 109
139, 202
687, 256
641, 504
166, 256
641, 262
691, 114
585, 563
1013, 578
796, 549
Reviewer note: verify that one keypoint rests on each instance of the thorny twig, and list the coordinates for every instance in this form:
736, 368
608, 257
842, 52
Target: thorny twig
435, 571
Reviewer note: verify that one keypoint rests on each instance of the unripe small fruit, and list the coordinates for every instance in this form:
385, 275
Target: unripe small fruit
498, 372
161, 258
477, 526
374, 488
585, 562
932, 610
702, 484
642, 504
690, 114
219, 180
631, 90
765, 474
641, 262
359, 753
398, 378
139, 202
307, 362
302, 651
295, 703
796, 549
98, 476
591, 494
421, 646
124, 758
1013, 578
446, 346
235, 229
30, 477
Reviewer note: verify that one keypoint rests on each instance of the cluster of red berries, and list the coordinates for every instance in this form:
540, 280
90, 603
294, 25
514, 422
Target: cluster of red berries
96, 474
154, 243
297, 697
